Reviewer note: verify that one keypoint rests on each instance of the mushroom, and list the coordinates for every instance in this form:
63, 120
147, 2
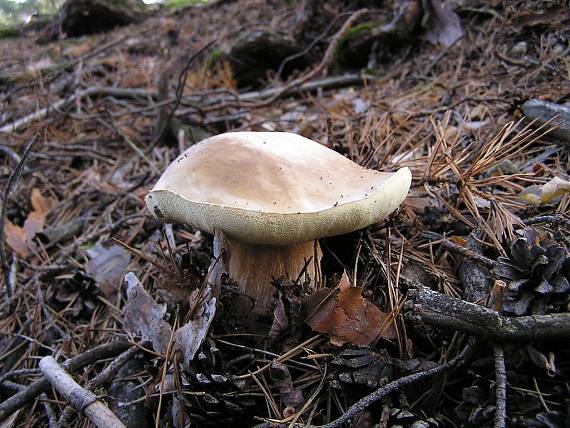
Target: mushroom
273, 194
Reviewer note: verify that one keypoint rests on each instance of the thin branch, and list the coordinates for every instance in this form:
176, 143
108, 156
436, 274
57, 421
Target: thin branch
82, 400
12, 182
449, 313
39, 386
500, 387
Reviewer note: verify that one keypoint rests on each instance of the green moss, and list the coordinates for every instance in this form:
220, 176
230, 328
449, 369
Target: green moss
179, 4
213, 58
356, 42
8, 32
357, 30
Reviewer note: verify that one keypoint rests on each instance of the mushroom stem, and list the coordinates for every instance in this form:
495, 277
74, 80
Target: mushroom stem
254, 267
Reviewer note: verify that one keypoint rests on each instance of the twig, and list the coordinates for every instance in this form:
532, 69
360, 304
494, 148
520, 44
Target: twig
218, 101
12, 182
446, 312
441, 55
500, 387
82, 400
102, 378
470, 254
556, 219
39, 386
50, 413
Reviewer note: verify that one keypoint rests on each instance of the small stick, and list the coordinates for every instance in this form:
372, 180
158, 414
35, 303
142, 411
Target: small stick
449, 313
106, 374
556, 219
470, 254
495, 302
501, 387
12, 181
82, 400
31, 391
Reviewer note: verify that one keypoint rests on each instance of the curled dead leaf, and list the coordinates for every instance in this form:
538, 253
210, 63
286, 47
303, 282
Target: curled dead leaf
142, 315
188, 338
347, 317
292, 397
107, 265
20, 239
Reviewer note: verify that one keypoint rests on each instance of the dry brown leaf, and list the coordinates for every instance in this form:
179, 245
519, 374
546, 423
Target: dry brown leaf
346, 316
20, 238
106, 266
42, 204
142, 315
344, 282
459, 240
16, 238
221, 262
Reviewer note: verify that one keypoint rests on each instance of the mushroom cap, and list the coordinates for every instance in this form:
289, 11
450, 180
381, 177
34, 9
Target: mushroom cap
273, 188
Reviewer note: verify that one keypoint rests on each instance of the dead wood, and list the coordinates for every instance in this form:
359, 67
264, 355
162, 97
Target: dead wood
449, 313
39, 386
83, 400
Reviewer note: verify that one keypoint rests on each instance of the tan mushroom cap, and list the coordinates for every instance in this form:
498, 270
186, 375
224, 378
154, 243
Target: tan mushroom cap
273, 188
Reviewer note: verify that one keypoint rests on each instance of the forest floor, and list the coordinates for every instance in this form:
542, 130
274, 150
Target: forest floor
471, 274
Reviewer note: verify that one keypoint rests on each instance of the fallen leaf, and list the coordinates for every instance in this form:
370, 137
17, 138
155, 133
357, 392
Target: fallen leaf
16, 238
344, 282
542, 361
221, 262
280, 319
188, 338
442, 24
20, 238
346, 316
292, 397
142, 315
106, 266
540, 195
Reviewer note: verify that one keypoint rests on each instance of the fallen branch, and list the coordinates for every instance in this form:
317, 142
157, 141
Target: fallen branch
449, 313
82, 400
203, 100
39, 386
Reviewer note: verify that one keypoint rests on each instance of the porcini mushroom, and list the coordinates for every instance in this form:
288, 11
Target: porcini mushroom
273, 194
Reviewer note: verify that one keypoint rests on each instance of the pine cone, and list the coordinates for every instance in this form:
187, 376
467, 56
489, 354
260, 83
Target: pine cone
538, 275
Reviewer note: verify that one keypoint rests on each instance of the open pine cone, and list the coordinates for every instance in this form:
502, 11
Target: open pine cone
537, 273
